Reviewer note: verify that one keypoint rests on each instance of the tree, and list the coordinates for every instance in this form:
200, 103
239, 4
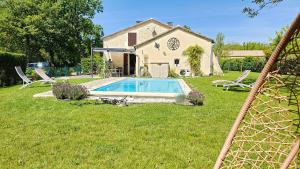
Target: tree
60, 31
246, 46
194, 54
278, 36
252, 12
219, 46
254, 46
187, 27
273, 42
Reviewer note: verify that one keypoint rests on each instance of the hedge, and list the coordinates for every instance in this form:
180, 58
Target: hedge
8, 61
98, 65
241, 64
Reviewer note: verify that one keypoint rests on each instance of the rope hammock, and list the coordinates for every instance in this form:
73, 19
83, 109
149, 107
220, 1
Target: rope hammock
266, 131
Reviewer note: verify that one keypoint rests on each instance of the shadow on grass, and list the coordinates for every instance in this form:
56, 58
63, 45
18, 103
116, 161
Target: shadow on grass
89, 102
238, 89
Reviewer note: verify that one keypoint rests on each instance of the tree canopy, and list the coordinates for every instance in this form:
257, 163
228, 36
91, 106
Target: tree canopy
219, 46
187, 27
273, 42
60, 31
260, 4
246, 46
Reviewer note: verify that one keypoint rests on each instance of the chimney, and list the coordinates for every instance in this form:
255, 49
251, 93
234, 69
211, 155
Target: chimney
138, 21
170, 24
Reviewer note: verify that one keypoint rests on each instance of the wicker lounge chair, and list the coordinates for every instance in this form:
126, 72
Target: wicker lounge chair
265, 133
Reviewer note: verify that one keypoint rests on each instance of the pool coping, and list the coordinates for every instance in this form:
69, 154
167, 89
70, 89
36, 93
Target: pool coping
159, 97
185, 88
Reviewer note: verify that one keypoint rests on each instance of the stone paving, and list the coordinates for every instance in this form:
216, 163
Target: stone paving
134, 97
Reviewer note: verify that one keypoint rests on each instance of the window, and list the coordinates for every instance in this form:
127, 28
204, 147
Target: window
131, 39
176, 62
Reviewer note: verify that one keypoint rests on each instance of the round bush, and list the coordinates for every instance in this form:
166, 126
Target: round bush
196, 98
68, 91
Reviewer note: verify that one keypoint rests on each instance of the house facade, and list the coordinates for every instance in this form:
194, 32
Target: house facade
156, 48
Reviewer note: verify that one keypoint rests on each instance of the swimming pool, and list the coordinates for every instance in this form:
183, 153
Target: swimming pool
143, 85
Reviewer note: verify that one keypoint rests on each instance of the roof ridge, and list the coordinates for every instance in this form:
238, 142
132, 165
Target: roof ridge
137, 24
166, 32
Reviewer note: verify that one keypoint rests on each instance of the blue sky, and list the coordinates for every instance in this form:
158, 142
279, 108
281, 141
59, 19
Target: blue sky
207, 17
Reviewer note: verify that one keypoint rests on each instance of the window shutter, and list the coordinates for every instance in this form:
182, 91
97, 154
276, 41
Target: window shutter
131, 39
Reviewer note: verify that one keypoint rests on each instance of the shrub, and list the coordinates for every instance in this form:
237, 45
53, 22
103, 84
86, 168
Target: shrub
85, 64
172, 74
59, 90
194, 54
68, 91
196, 98
8, 61
78, 92
240, 64
145, 72
31, 73
99, 65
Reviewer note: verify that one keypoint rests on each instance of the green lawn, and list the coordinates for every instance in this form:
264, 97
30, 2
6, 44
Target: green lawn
46, 133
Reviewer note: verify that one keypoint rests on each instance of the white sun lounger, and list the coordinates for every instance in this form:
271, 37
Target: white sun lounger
231, 83
25, 79
242, 85
45, 78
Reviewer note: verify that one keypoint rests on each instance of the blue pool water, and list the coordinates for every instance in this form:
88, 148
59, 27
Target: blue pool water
144, 85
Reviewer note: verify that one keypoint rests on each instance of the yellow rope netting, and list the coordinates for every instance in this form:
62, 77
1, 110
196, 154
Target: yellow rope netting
266, 135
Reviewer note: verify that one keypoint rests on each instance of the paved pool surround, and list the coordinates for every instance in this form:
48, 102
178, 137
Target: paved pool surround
133, 97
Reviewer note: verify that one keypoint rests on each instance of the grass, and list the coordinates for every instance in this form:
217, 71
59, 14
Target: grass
46, 133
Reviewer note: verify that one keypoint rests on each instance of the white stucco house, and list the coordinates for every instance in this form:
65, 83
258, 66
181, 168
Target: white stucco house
156, 47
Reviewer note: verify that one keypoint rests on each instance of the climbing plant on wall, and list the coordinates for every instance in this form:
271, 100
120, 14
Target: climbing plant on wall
194, 54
